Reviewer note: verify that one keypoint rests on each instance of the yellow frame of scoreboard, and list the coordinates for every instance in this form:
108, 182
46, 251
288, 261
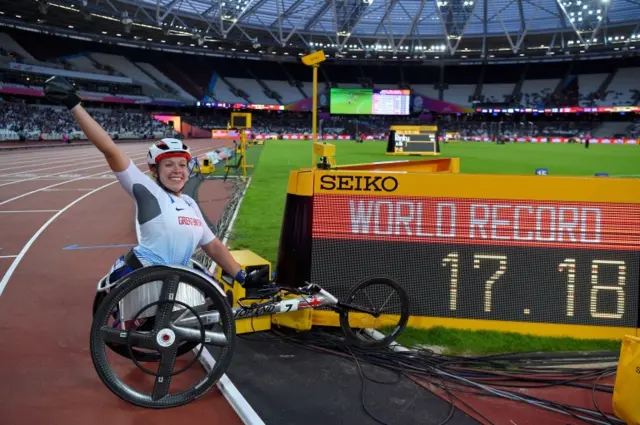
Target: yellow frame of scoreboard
443, 179
242, 149
235, 116
428, 130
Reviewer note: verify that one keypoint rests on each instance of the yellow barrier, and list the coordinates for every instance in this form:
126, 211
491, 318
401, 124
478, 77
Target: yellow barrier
530, 254
627, 384
249, 261
440, 165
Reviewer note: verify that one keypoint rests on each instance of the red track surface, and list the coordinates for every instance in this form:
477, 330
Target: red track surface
46, 293
501, 411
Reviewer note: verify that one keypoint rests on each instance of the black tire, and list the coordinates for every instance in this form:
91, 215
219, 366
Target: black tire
402, 311
139, 355
169, 276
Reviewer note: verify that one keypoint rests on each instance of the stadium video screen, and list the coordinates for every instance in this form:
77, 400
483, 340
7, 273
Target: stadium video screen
369, 102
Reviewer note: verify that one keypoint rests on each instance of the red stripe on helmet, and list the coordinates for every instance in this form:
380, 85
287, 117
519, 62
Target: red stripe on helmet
172, 155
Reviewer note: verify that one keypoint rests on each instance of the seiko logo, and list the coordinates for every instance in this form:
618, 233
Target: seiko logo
359, 183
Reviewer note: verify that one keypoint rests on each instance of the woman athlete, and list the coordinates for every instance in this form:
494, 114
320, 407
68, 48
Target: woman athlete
171, 223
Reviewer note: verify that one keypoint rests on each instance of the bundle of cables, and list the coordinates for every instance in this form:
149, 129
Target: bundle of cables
487, 376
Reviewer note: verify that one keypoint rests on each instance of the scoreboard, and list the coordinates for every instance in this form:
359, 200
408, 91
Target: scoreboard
390, 102
413, 140
542, 255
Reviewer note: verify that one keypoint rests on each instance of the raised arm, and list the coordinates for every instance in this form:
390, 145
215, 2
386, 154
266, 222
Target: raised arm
59, 90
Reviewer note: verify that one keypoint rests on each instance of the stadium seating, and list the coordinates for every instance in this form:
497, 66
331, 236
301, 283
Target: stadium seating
619, 90
222, 93
589, 85
83, 63
236, 81
160, 78
147, 76
459, 94
497, 93
535, 91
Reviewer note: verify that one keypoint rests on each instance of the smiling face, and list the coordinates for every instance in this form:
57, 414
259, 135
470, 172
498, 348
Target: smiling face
173, 172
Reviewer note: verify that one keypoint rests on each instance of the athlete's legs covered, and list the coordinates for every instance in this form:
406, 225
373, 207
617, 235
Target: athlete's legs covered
119, 270
123, 266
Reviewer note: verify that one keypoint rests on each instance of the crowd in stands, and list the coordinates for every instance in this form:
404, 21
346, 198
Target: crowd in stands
275, 124
521, 129
279, 123
209, 122
19, 121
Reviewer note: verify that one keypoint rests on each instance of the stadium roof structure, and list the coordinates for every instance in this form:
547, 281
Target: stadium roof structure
360, 29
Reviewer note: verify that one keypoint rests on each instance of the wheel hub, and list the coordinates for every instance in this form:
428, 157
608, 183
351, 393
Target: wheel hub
165, 338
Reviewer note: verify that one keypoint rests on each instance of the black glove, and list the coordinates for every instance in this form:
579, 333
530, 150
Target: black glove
60, 91
255, 279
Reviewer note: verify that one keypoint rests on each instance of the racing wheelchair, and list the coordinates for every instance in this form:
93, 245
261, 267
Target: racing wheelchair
185, 309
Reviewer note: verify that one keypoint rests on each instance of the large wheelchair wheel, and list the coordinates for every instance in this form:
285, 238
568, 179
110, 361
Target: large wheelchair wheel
164, 337
141, 355
376, 303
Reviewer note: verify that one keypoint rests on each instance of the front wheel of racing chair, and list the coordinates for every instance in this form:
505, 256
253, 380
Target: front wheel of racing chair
172, 296
143, 325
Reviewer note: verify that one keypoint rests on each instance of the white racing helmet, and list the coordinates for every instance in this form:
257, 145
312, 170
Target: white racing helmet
166, 148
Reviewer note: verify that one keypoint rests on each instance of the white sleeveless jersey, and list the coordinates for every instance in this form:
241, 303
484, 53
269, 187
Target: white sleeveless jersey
171, 227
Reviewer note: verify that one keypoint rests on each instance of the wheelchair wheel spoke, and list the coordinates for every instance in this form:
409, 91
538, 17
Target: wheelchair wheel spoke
186, 314
217, 339
163, 378
167, 296
136, 339
370, 292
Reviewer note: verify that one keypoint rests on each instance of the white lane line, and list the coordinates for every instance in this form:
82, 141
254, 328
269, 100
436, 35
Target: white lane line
62, 177
198, 152
66, 161
65, 190
25, 175
49, 152
25, 248
43, 157
54, 185
33, 161
30, 242
63, 172
33, 174
20, 164
57, 152
235, 398
27, 211
8, 256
